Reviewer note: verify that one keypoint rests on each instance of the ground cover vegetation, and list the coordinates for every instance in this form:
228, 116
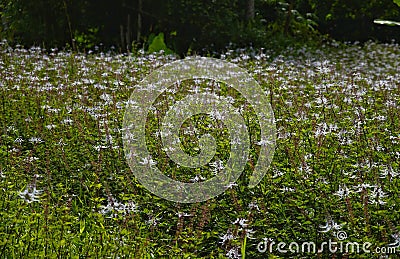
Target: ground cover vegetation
67, 191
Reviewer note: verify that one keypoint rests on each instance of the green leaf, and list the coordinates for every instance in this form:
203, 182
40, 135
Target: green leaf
397, 2
158, 44
386, 22
243, 248
82, 226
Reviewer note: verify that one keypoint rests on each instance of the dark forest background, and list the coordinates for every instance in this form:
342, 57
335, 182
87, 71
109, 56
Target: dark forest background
192, 24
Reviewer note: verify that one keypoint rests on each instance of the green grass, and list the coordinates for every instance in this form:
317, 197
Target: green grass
66, 190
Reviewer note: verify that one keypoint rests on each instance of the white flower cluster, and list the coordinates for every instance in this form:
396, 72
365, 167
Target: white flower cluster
115, 207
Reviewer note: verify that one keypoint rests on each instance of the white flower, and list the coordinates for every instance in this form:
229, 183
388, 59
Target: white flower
46, 106
107, 98
34, 140
228, 236
241, 222
217, 115
18, 140
253, 205
51, 126
197, 178
218, 166
30, 194
277, 173
330, 224
230, 185
264, 142
115, 206
388, 171
183, 214
287, 189
67, 121
233, 253
30, 159
249, 233
148, 161
376, 196
343, 191
363, 186
396, 243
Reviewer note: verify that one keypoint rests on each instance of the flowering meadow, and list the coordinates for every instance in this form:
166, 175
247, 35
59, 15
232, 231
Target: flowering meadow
66, 190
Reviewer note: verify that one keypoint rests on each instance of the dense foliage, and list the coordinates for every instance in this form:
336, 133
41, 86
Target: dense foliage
67, 192
190, 25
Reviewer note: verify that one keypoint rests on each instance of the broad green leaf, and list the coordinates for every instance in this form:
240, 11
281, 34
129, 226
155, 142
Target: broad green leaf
158, 44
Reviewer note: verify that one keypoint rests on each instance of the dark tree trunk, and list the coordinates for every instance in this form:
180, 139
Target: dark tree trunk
139, 20
250, 10
128, 32
286, 30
